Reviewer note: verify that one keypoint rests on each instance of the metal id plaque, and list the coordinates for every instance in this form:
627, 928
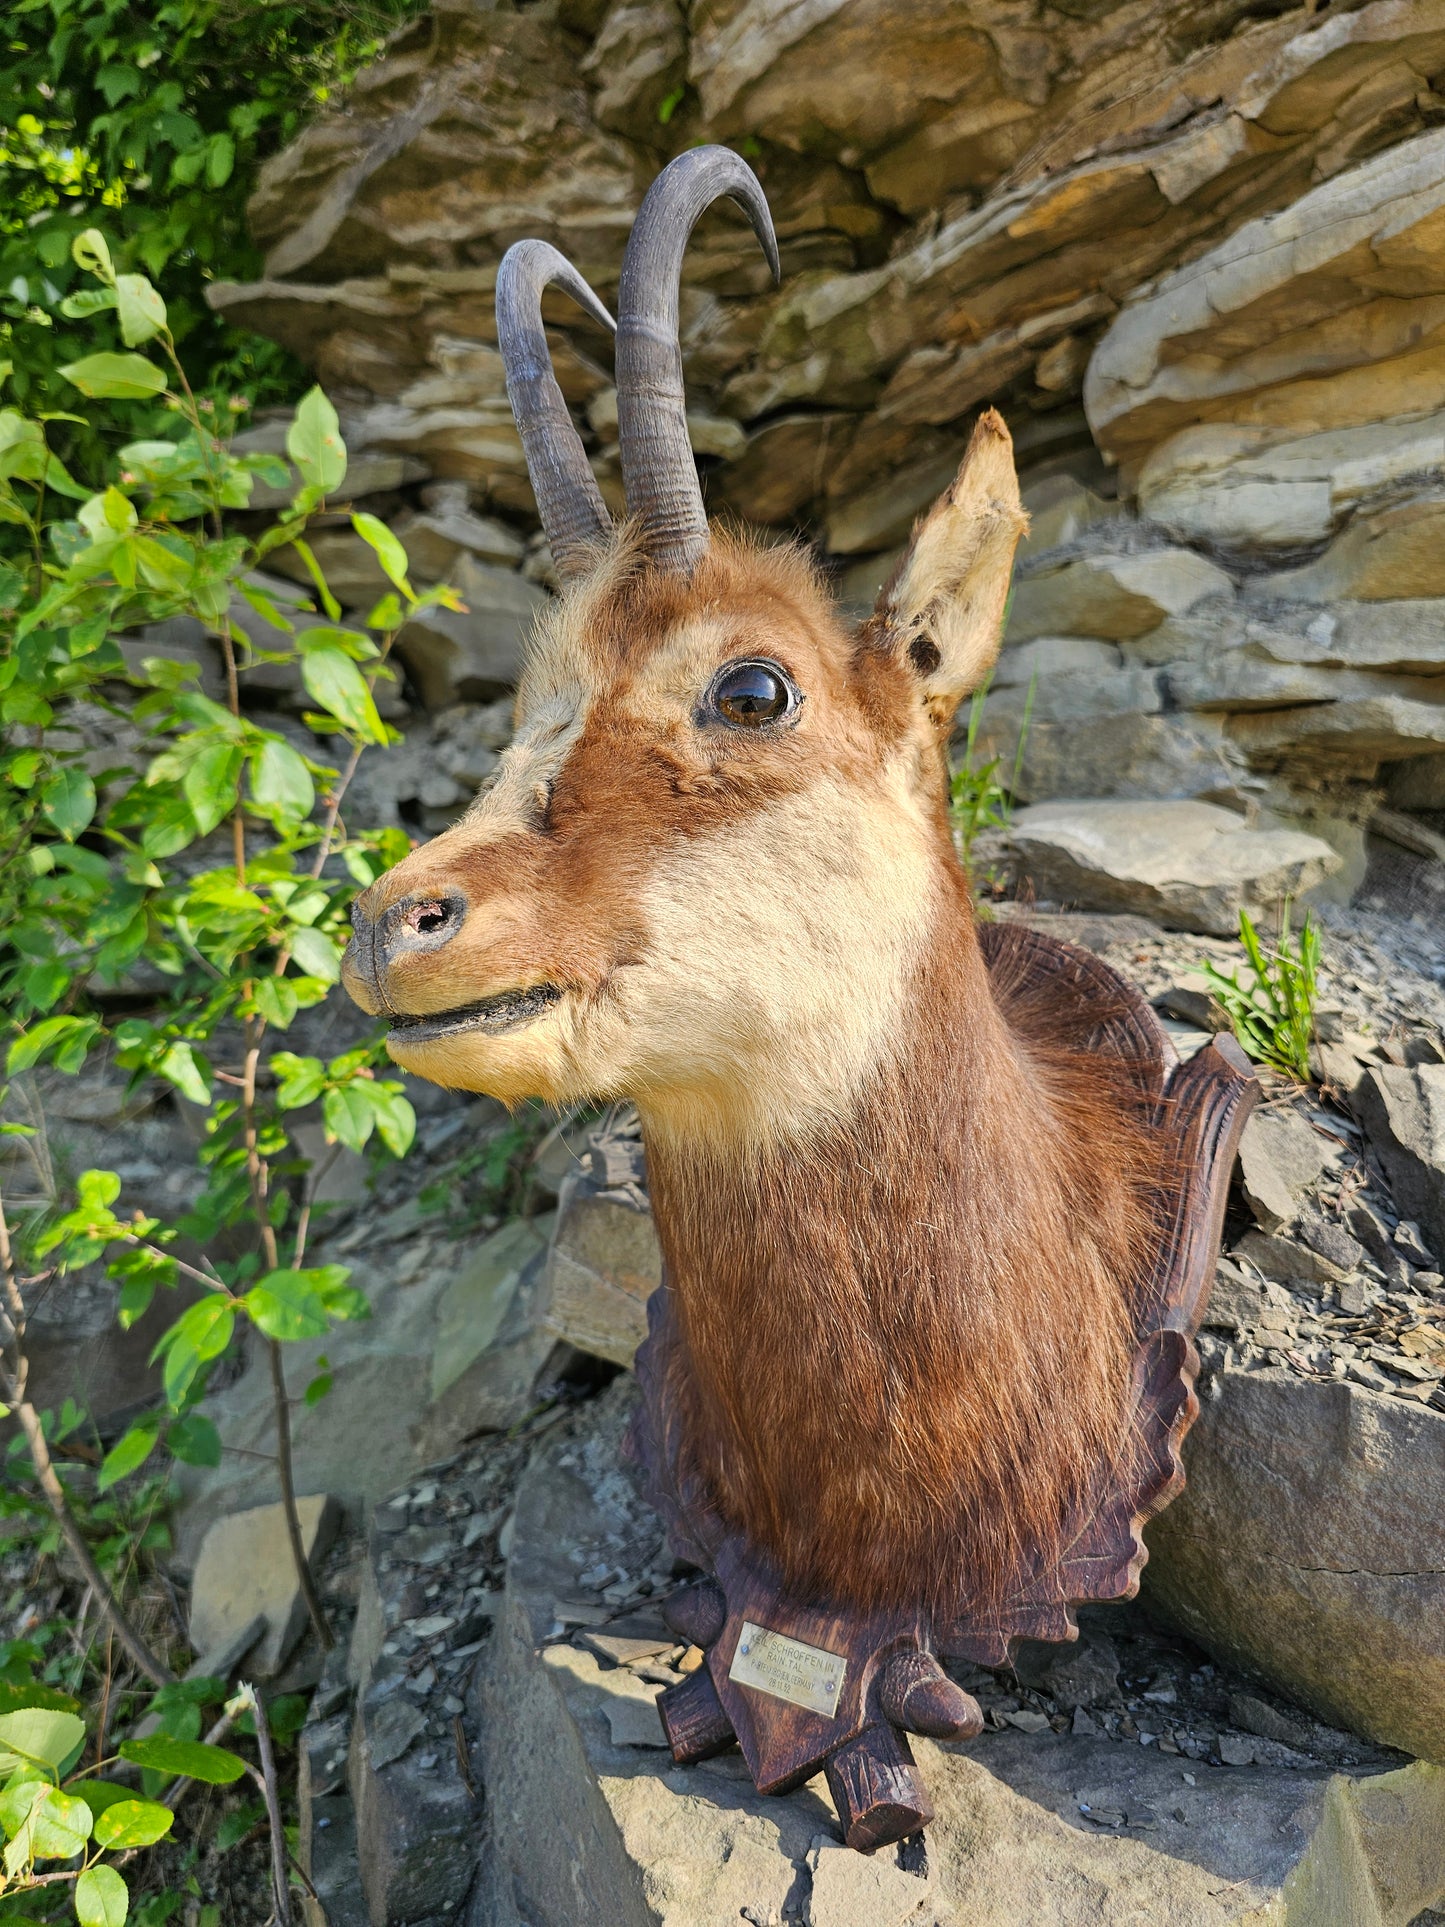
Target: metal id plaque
789, 1670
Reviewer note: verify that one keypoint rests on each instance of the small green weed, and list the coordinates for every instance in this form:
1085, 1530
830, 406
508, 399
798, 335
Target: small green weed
1274, 1014
977, 798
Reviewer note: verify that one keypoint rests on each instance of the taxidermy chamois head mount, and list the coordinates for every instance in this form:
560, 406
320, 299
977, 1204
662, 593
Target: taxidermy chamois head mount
714, 874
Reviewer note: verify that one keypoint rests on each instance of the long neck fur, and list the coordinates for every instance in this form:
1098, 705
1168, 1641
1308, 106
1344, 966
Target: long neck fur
910, 1338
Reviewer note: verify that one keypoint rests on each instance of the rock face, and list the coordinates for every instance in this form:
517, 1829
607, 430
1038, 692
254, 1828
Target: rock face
604, 1262
1196, 256
1404, 1112
1033, 1825
1310, 1542
1190, 866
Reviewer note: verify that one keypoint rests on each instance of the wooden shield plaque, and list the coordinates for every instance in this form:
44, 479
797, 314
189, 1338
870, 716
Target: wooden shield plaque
800, 1685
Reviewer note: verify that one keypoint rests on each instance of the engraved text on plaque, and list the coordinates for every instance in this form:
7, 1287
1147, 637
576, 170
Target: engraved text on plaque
788, 1669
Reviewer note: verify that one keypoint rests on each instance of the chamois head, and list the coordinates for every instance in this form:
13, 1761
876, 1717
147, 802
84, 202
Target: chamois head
709, 863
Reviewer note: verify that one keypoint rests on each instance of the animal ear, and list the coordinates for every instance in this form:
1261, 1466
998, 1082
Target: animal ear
942, 609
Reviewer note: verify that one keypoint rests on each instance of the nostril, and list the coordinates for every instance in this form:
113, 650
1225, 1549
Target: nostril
430, 916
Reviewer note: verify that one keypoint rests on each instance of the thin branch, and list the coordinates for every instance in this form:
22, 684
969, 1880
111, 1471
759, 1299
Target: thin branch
313, 1183
13, 1379
285, 1477
50, 1485
102, 1724
280, 1882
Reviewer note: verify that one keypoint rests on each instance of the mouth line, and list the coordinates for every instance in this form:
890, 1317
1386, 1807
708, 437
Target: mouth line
508, 1010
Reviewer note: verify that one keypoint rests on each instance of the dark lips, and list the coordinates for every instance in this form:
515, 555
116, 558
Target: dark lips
508, 1011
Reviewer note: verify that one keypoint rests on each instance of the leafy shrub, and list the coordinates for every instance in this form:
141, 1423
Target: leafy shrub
216, 851
51, 1812
154, 119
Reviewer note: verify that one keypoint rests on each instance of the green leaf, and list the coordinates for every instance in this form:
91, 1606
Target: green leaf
314, 443
191, 1758
133, 1823
194, 1440
342, 1300
68, 800
38, 1736
169, 826
43, 983
389, 613
314, 570
118, 81
275, 999
142, 313
59, 1825
316, 954
386, 548
349, 1115
102, 1898
210, 782
17, 1800
302, 1079
280, 781
108, 514
66, 1034
135, 1301
220, 159
98, 1795
334, 683
114, 377
286, 1305
198, 1335
236, 1825
395, 1121
87, 301
129, 1453
89, 251
182, 1067
97, 1190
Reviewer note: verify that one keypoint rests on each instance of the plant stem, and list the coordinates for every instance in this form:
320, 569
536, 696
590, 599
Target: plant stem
280, 1883
153, 1668
14, 1380
304, 1577
259, 1178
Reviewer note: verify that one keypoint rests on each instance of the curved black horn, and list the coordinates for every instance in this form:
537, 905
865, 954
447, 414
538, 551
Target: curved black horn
572, 510
658, 471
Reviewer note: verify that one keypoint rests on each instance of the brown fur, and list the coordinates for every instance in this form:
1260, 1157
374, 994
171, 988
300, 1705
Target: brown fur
911, 1344
903, 1213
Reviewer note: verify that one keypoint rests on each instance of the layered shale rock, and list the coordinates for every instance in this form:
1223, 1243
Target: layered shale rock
1196, 256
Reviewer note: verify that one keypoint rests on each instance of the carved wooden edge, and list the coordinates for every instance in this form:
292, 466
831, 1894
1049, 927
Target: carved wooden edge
654, 1442
1127, 1027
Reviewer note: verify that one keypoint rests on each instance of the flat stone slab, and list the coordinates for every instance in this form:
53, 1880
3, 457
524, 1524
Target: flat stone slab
245, 1571
1038, 1829
1189, 866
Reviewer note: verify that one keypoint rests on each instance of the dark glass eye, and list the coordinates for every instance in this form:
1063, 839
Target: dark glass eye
749, 694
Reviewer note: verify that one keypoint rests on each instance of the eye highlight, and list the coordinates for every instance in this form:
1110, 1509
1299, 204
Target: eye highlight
750, 695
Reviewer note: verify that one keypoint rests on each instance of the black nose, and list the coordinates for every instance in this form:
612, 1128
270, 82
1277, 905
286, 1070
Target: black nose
412, 924
425, 923
418, 923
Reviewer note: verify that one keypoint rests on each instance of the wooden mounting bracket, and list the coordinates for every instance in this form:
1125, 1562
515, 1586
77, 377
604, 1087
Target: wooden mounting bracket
803, 1687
